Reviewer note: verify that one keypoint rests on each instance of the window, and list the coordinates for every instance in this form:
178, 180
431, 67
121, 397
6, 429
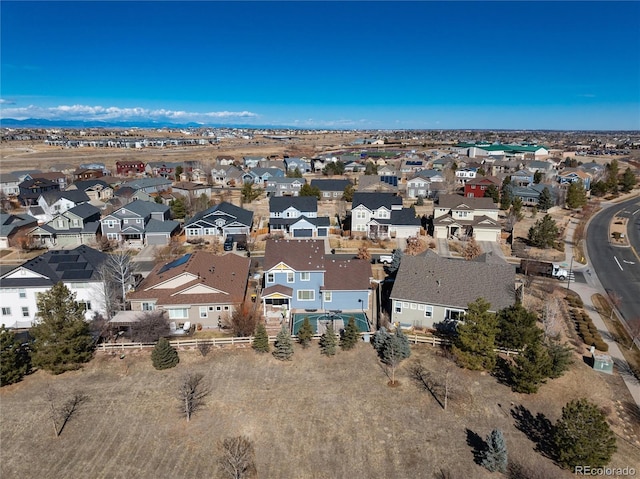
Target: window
421, 307
290, 277
25, 312
178, 313
147, 306
428, 311
271, 278
138, 220
226, 308
6, 311
204, 312
413, 305
218, 308
327, 296
306, 295
22, 293
454, 314
398, 307
305, 276
360, 215
86, 305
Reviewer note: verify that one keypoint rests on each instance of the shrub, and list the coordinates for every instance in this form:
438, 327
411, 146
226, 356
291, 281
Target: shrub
602, 346
164, 356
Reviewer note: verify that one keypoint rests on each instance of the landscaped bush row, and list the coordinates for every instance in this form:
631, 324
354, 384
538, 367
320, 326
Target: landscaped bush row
588, 331
574, 301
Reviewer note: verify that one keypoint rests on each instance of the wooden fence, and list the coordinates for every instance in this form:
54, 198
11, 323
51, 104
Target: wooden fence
192, 343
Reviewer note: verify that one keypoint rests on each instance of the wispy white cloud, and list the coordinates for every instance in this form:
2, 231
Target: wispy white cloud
339, 123
114, 113
4, 101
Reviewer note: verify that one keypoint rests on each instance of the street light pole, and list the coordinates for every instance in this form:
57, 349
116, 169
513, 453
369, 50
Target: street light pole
569, 275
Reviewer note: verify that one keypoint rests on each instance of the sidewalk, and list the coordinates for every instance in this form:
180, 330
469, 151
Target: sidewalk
586, 291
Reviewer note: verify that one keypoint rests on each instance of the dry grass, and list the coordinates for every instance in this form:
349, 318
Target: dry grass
312, 417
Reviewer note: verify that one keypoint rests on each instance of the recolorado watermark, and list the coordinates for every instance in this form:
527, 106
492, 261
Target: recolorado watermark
603, 471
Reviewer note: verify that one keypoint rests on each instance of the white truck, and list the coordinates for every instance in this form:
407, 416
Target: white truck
385, 259
543, 268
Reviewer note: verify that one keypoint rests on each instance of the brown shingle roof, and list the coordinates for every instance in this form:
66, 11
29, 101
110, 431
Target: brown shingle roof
432, 279
301, 255
454, 201
347, 275
227, 273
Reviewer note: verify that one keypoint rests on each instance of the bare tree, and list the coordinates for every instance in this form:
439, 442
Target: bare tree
439, 385
471, 250
363, 252
61, 415
119, 269
634, 330
616, 300
150, 327
191, 394
243, 321
237, 457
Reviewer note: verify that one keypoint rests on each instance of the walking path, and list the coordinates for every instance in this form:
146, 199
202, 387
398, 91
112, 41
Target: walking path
588, 289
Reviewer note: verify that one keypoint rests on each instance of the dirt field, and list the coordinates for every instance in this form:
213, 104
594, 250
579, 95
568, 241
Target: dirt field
312, 417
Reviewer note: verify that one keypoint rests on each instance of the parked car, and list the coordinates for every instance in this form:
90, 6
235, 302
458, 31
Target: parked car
241, 242
386, 258
228, 244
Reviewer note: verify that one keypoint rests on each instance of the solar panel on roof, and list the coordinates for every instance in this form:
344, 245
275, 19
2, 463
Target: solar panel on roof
71, 266
177, 262
77, 274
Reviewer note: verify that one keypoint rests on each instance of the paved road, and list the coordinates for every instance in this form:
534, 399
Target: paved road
618, 268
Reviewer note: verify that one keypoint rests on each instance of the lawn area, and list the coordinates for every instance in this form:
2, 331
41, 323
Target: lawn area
311, 417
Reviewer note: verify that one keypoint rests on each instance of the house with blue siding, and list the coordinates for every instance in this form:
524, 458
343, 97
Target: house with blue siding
298, 277
297, 216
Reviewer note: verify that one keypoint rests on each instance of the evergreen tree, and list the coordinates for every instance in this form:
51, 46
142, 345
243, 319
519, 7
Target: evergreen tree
599, 188
532, 367
62, 341
576, 195
560, 355
493, 193
283, 349
494, 457
371, 168
14, 360
179, 171
628, 180
517, 327
296, 173
396, 258
347, 194
506, 194
476, 339
544, 232
261, 339
612, 177
582, 435
394, 351
305, 333
516, 208
379, 339
164, 356
537, 177
308, 190
546, 200
178, 208
350, 335
328, 341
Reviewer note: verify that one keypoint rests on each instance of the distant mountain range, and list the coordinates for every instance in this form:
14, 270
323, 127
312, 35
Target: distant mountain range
44, 123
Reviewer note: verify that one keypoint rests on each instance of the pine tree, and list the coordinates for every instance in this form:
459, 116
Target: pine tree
576, 195
582, 435
546, 200
517, 327
516, 208
305, 333
328, 341
178, 208
395, 350
350, 335
612, 177
283, 347
506, 194
261, 339
14, 360
476, 339
537, 177
493, 193
164, 356
532, 368
494, 457
544, 232
62, 338
628, 180
379, 340
560, 355
396, 259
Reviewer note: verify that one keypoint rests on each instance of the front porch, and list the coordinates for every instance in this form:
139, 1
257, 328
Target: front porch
276, 303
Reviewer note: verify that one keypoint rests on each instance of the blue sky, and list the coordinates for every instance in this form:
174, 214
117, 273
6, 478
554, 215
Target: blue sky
508, 65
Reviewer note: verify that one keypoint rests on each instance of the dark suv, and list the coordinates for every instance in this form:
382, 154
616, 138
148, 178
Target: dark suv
228, 244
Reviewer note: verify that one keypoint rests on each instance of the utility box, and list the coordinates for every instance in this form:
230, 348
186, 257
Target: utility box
602, 362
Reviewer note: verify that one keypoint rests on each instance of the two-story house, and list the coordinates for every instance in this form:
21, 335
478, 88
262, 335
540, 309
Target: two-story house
381, 215
73, 227
148, 185
53, 203
378, 184
331, 189
465, 174
9, 184
13, 227
191, 190
57, 176
299, 278
260, 176
297, 216
78, 269
200, 288
573, 175
82, 174
130, 167
284, 186
140, 223
31, 189
252, 161
219, 221
96, 190
477, 187
301, 164
430, 290
465, 217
